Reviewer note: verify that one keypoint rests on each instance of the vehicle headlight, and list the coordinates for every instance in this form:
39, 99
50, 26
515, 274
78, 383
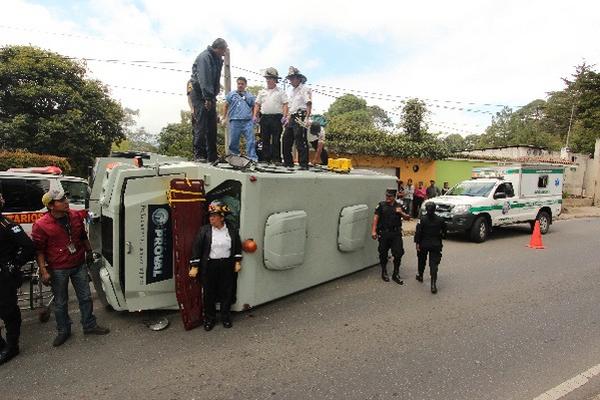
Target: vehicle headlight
461, 209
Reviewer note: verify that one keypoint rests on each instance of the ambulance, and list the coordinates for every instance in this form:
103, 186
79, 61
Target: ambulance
23, 188
498, 196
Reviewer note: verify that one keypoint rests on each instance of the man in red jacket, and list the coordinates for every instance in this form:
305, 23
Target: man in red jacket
61, 244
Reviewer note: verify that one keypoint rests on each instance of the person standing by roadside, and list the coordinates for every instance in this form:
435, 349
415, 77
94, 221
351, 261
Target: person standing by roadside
206, 77
428, 240
409, 191
445, 188
63, 252
238, 111
432, 190
300, 107
419, 198
387, 228
16, 249
271, 109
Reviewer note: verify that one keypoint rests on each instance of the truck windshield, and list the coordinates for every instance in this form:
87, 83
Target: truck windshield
76, 191
472, 188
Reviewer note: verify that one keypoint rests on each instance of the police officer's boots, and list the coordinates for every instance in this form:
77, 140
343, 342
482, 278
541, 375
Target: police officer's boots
396, 275
384, 274
8, 350
433, 285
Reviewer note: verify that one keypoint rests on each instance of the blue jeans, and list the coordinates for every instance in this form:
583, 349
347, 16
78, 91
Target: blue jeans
60, 290
237, 128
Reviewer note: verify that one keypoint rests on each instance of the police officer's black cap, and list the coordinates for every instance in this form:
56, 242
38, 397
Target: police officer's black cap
219, 43
430, 206
391, 192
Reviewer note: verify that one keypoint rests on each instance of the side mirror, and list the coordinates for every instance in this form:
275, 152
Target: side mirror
500, 195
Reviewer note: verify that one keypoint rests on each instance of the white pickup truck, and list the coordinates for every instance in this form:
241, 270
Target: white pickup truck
499, 196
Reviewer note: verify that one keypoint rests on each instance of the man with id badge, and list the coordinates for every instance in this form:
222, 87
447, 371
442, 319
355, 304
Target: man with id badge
63, 251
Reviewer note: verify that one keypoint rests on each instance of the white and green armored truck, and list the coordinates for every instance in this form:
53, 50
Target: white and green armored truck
497, 196
305, 228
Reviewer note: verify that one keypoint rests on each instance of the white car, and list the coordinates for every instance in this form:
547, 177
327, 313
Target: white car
23, 189
502, 196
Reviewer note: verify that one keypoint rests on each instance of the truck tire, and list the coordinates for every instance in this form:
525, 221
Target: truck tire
544, 219
479, 230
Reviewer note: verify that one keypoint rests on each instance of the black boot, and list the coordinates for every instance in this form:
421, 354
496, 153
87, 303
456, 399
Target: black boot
396, 275
419, 277
384, 274
433, 285
8, 353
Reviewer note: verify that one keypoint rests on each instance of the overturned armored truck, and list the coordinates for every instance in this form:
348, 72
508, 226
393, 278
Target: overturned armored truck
304, 227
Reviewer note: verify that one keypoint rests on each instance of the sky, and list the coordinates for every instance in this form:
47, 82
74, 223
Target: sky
465, 59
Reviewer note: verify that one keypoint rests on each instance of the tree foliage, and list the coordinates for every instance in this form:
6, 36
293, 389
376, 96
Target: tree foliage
356, 128
545, 123
413, 119
177, 139
47, 105
22, 159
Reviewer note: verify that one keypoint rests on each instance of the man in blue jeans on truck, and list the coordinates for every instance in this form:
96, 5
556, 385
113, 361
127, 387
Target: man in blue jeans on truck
238, 112
63, 252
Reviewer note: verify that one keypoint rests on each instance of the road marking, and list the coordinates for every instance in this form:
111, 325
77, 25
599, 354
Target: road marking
568, 386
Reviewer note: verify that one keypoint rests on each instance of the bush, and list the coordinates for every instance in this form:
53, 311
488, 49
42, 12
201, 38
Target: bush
22, 159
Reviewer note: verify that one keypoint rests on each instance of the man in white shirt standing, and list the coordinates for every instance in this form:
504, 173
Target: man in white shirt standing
271, 108
300, 107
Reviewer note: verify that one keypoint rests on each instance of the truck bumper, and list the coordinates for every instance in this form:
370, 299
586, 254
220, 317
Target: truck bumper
460, 222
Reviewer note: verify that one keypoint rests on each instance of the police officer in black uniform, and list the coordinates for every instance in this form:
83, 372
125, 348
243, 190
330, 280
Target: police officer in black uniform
428, 238
387, 227
16, 248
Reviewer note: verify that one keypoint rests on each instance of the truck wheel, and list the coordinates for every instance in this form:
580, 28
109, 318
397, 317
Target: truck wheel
479, 230
544, 219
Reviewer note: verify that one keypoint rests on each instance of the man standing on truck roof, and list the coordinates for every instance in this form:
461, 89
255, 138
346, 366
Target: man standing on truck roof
206, 77
300, 108
387, 228
271, 109
238, 113
63, 252
428, 239
16, 249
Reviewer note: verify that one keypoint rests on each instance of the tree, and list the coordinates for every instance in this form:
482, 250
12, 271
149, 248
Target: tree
47, 105
176, 139
356, 128
413, 119
454, 143
380, 117
545, 123
345, 104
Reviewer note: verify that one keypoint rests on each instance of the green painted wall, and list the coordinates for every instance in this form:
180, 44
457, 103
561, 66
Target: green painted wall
454, 171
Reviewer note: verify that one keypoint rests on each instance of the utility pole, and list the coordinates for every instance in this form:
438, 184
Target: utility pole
570, 124
227, 83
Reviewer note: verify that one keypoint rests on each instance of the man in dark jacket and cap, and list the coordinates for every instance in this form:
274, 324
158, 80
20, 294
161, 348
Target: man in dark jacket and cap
428, 239
205, 80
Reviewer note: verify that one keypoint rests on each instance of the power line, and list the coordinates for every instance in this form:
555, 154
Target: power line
360, 93
77, 36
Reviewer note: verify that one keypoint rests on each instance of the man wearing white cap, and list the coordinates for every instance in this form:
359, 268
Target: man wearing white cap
63, 251
272, 107
300, 107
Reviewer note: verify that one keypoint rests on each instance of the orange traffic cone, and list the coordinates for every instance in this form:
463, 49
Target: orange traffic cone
536, 237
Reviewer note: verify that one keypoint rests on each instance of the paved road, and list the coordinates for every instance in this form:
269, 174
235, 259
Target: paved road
508, 323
